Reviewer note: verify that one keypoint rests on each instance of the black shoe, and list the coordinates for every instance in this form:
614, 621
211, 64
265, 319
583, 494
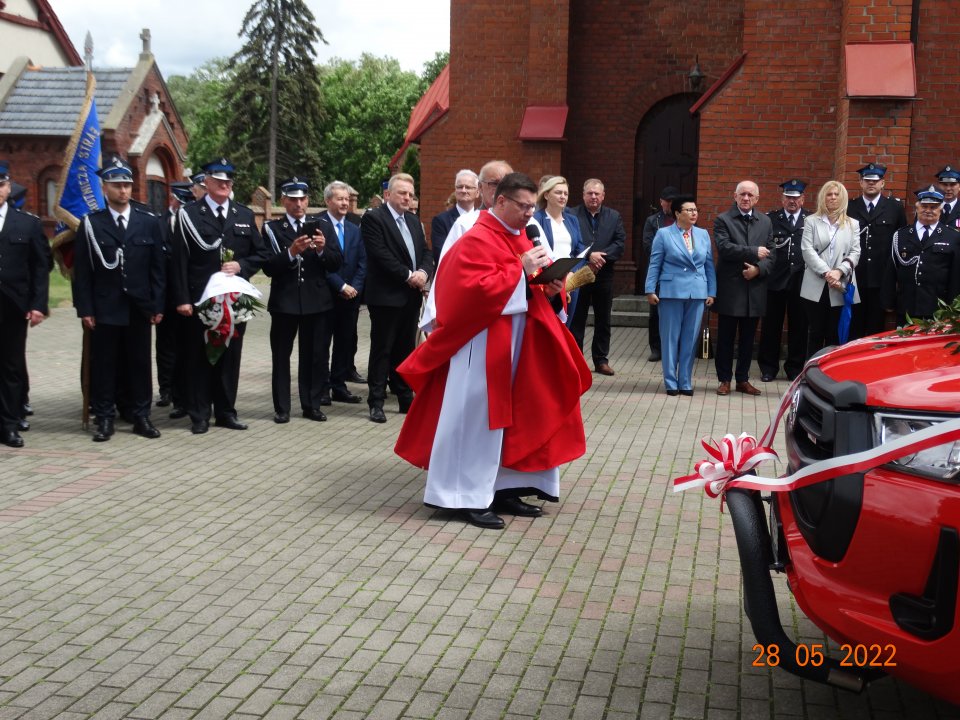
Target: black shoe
104, 431
345, 396
688, 393
325, 401
354, 376
23, 425
27, 409
485, 519
404, 406
516, 506
767, 377
377, 416
281, 417
11, 438
315, 415
177, 413
199, 427
654, 356
230, 422
144, 428
164, 400
672, 392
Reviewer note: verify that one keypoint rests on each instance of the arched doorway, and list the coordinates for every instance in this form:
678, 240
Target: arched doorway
666, 154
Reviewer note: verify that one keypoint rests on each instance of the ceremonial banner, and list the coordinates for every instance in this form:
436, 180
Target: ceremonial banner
78, 191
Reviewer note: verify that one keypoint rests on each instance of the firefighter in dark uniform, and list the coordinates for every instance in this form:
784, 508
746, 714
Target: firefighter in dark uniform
924, 263
171, 379
300, 302
879, 217
118, 290
206, 230
24, 286
949, 179
783, 289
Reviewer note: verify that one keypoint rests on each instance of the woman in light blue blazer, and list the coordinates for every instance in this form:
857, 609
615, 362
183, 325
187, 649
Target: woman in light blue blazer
560, 226
681, 264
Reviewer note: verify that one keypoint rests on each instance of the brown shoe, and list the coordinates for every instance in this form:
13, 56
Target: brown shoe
604, 369
746, 387
723, 388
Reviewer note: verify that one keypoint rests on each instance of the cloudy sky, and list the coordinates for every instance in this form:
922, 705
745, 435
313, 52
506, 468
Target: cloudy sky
186, 34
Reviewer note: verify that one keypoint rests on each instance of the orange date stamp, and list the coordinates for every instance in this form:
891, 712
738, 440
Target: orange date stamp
858, 656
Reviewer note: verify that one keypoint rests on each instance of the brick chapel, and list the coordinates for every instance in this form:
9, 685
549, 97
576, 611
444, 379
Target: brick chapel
699, 95
42, 88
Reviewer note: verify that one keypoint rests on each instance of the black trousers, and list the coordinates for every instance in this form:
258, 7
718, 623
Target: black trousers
599, 295
393, 335
342, 335
171, 365
211, 384
728, 327
823, 322
121, 350
781, 304
13, 363
310, 331
869, 315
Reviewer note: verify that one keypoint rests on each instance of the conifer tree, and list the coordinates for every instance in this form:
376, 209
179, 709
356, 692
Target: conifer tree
274, 96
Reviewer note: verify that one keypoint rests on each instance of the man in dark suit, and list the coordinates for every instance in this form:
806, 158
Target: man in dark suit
949, 180
467, 190
300, 302
171, 381
602, 227
661, 218
399, 265
879, 217
206, 231
783, 289
746, 256
346, 286
24, 286
119, 276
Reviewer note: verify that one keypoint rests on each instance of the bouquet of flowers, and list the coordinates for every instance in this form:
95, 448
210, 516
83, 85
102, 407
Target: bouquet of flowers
227, 301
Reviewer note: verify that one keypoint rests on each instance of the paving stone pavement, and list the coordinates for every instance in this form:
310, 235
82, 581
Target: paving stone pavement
291, 571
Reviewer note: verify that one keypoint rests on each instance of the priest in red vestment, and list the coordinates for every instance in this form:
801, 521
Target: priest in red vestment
499, 379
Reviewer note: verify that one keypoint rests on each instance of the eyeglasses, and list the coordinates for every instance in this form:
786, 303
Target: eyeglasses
692, 211
527, 208
466, 187
491, 183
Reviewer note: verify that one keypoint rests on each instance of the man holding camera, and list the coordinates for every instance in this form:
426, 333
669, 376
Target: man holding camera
300, 302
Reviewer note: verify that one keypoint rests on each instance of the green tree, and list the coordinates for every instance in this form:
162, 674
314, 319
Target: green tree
273, 95
367, 108
432, 68
199, 98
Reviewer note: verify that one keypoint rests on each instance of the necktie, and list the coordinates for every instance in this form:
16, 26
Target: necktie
120, 224
688, 241
745, 218
407, 240
793, 221
926, 234
296, 228
340, 234
220, 217
869, 207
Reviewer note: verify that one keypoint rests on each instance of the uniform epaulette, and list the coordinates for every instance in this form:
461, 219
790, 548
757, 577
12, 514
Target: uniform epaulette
140, 207
24, 212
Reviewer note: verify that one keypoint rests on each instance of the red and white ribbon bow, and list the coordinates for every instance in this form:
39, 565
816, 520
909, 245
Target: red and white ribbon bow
732, 457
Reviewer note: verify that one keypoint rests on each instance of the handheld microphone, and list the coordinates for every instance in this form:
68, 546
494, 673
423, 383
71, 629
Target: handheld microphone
533, 232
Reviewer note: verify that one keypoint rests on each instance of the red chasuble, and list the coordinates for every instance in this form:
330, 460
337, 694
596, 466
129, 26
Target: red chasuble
539, 410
